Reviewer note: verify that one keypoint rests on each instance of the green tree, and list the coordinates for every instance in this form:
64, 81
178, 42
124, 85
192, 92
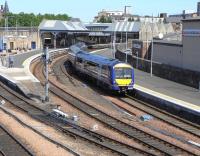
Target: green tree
130, 19
103, 19
30, 19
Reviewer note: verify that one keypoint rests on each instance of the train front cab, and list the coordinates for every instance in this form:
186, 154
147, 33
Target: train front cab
123, 77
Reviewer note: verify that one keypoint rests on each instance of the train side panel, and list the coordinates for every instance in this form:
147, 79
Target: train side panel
108, 73
100, 73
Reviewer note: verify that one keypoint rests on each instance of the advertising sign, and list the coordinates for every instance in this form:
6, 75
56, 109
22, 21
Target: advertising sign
191, 32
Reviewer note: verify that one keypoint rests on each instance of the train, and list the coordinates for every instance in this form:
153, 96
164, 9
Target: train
108, 73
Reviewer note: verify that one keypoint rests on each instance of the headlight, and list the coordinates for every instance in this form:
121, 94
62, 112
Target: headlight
114, 82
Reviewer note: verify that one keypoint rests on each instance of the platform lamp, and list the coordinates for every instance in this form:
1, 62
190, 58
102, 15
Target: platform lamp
6, 36
114, 44
152, 49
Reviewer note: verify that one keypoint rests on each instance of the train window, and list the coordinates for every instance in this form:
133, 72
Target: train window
105, 71
91, 66
123, 73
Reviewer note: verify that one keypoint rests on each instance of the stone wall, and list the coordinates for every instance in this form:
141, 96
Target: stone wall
183, 76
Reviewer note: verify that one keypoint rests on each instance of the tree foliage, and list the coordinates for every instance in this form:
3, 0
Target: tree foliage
131, 19
104, 19
29, 19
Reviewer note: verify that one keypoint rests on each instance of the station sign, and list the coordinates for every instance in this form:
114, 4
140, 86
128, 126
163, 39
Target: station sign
137, 48
191, 32
137, 45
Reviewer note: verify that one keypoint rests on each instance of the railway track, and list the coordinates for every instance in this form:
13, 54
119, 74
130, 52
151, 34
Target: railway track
113, 145
29, 107
11, 146
176, 121
180, 123
169, 118
173, 120
71, 129
2, 153
122, 149
149, 140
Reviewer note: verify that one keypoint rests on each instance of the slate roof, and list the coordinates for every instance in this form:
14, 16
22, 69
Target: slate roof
57, 25
124, 26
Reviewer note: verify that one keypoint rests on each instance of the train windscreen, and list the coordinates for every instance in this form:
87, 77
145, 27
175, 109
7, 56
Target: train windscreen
123, 73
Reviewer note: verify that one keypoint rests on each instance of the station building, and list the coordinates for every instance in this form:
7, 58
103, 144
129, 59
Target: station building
58, 34
138, 35
181, 50
19, 38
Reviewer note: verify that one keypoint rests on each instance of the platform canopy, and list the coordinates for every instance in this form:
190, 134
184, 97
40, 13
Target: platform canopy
57, 25
124, 26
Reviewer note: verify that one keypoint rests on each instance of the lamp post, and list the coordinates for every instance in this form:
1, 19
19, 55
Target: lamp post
127, 51
6, 38
126, 38
152, 58
46, 61
152, 48
6, 32
114, 42
137, 59
125, 13
126, 56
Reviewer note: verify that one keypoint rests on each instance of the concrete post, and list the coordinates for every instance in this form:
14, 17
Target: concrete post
137, 60
54, 40
152, 58
46, 75
114, 44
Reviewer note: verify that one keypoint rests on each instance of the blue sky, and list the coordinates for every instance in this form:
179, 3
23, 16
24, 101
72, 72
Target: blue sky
87, 9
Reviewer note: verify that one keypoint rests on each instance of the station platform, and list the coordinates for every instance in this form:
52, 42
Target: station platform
19, 77
168, 93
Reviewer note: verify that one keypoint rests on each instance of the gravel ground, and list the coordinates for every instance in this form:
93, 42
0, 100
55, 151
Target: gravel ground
137, 124
30, 138
88, 95
157, 123
89, 123
33, 139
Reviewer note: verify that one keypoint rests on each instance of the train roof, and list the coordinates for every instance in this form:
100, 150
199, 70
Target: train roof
97, 58
77, 47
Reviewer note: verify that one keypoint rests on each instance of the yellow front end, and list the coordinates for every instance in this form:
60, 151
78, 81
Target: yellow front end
123, 82
123, 76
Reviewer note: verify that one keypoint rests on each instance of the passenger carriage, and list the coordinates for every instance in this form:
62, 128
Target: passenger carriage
108, 73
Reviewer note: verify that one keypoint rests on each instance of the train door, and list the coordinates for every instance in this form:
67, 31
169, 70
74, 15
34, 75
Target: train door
79, 63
